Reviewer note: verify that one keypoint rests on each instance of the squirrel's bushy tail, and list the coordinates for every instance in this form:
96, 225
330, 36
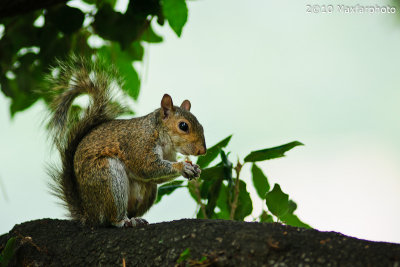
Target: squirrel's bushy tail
68, 80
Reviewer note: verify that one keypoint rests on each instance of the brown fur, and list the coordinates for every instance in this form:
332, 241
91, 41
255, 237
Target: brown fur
142, 150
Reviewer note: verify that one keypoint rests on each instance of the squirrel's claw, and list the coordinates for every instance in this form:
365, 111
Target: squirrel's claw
190, 171
133, 222
138, 221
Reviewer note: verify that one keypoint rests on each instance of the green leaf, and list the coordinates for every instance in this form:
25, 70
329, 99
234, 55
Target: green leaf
245, 205
192, 189
123, 61
292, 206
266, 217
200, 214
176, 12
260, 181
150, 36
223, 203
212, 182
228, 166
277, 201
212, 196
131, 77
271, 153
135, 51
184, 255
212, 173
205, 187
167, 189
293, 220
123, 28
111, 2
20, 102
66, 19
290, 219
53, 45
27, 78
18, 90
8, 252
212, 153
90, 2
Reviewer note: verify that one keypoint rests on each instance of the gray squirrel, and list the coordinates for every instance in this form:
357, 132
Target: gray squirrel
111, 167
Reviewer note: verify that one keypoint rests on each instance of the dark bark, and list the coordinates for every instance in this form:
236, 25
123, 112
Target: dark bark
9, 8
223, 243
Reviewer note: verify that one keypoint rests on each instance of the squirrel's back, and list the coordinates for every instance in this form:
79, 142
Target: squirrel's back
109, 140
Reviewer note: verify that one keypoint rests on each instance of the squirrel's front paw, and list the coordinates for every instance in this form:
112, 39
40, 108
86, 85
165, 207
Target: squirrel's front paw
190, 171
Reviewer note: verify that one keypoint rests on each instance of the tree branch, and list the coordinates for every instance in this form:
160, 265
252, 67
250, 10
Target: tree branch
49, 242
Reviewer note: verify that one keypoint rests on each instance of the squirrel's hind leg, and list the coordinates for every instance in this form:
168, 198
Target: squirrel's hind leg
104, 191
120, 191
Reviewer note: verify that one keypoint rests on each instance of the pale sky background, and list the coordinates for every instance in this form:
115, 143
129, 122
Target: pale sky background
269, 73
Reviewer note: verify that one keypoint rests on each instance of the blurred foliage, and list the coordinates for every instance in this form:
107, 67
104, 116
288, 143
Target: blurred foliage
8, 252
31, 42
221, 194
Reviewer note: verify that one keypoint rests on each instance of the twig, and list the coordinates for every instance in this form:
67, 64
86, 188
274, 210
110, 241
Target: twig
236, 196
197, 192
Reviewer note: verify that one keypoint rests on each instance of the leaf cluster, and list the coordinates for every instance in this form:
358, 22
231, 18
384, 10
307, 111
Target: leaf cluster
221, 194
30, 43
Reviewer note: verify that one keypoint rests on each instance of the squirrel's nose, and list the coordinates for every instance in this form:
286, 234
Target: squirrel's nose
202, 150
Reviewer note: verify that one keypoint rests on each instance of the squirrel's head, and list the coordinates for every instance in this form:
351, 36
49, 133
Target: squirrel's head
186, 133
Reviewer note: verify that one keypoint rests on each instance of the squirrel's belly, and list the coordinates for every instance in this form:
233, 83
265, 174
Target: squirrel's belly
141, 197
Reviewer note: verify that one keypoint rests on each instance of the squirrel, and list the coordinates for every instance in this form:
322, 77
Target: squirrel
111, 167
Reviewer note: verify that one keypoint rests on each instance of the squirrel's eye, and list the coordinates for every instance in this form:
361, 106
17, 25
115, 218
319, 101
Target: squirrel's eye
183, 126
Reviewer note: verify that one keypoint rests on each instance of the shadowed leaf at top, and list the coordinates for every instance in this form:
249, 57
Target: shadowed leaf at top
58, 15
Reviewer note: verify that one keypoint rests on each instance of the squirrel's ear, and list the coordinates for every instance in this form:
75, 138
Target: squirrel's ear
186, 105
166, 105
